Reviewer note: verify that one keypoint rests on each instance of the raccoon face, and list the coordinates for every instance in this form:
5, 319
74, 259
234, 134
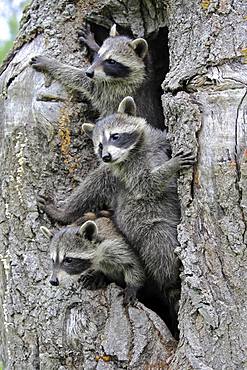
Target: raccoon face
119, 58
107, 69
72, 251
114, 144
117, 135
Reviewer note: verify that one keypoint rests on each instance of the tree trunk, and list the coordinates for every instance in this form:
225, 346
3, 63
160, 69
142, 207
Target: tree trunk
42, 147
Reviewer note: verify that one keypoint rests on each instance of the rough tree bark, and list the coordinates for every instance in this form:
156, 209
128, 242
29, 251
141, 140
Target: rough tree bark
205, 105
42, 146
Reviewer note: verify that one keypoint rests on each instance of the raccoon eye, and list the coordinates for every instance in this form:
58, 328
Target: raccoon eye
67, 260
115, 137
110, 61
100, 146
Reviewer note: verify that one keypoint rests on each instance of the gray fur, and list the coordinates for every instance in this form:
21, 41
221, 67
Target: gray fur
102, 90
140, 185
96, 247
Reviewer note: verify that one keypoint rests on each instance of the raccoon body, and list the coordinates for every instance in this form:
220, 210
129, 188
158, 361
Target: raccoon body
95, 250
146, 205
118, 69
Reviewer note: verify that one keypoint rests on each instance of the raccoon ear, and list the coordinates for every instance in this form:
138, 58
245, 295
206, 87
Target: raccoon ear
140, 46
88, 129
89, 230
127, 106
47, 233
113, 31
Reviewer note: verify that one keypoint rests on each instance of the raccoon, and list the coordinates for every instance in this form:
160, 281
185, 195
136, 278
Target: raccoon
146, 205
121, 67
118, 70
95, 250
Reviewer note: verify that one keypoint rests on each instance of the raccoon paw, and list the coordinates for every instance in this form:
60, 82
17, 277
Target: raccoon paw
129, 295
94, 281
40, 63
86, 37
44, 201
46, 204
100, 281
184, 160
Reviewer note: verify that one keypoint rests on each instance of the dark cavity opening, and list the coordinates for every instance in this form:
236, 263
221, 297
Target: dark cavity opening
159, 51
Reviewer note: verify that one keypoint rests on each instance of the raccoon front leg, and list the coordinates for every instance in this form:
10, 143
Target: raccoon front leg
72, 77
95, 192
86, 37
180, 161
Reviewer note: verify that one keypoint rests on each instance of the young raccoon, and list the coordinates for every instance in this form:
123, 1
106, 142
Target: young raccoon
118, 70
146, 206
95, 250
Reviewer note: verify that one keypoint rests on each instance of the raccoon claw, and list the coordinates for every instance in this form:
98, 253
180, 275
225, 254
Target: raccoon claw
39, 62
129, 296
44, 200
184, 160
83, 34
86, 37
47, 205
181, 152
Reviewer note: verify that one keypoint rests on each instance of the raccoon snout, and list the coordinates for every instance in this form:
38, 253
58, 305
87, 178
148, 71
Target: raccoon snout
54, 281
107, 157
90, 74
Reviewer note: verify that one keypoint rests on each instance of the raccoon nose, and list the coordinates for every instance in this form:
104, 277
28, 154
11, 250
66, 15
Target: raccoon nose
106, 157
54, 281
90, 74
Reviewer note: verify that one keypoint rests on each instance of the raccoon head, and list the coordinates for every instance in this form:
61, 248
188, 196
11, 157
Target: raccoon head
72, 250
119, 59
116, 136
